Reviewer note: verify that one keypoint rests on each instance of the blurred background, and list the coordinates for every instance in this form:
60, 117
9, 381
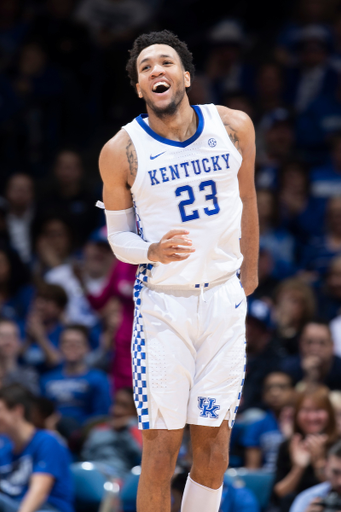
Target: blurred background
66, 303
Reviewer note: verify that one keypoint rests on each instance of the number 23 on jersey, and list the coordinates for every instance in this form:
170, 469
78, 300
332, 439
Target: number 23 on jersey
212, 208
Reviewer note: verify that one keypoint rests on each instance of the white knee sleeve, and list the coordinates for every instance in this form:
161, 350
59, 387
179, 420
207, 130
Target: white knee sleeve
198, 498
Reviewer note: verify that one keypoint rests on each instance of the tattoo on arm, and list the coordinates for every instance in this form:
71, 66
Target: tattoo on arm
132, 158
233, 135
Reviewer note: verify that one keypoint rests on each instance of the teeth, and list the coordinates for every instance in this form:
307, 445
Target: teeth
158, 84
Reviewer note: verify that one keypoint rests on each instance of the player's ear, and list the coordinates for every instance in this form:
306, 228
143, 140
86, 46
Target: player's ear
187, 77
138, 90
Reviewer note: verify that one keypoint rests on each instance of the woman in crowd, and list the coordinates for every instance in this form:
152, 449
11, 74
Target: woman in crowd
301, 459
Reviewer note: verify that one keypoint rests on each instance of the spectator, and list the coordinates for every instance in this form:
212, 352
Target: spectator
120, 285
300, 213
294, 306
111, 21
279, 242
277, 145
40, 88
102, 356
262, 356
15, 289
269, 89
35, 473
306, 12
55, 265
43, 327
13, 29
225, 67
267, 282
321, 250
301, 459
315, 129
326, 179
318, 497
79, 393
329, 293
68, 197
97, 261
316, 362
262, 438
44, 415
313, 76
118, 442
11, 371
20, 214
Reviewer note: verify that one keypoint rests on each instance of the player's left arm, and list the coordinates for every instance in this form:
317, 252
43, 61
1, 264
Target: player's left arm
242, 134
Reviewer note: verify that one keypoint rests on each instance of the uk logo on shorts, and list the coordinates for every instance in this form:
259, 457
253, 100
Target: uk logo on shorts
208, 407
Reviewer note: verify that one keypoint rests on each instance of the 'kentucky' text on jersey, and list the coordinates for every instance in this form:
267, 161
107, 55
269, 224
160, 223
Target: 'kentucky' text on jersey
192, 185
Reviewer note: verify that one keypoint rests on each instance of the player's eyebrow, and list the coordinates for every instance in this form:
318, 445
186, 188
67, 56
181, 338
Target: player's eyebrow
162, 56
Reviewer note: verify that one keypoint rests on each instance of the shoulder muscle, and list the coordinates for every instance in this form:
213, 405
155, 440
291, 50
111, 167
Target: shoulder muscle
118, 169
118, 159
239, 128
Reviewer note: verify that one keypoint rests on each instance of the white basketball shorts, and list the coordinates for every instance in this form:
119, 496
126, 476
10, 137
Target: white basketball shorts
188, 354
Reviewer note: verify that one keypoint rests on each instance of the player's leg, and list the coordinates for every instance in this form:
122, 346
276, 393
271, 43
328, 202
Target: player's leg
160, 451
203, 489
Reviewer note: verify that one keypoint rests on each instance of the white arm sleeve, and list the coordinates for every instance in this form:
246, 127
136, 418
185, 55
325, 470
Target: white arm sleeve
126, 244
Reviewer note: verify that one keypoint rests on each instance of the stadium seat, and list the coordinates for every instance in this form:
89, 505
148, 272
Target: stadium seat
88, 486
258, 481
129, 491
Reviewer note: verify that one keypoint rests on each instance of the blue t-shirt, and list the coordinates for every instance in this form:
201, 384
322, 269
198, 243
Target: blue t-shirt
43, 454
325, 182
78, 396
266, 435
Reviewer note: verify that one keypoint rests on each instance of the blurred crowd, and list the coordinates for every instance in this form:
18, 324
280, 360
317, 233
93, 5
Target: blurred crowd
66, 307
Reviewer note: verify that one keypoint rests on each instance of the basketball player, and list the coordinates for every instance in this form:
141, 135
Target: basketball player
185, 176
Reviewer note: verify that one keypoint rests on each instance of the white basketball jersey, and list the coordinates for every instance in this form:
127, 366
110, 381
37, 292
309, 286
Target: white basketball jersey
191, 185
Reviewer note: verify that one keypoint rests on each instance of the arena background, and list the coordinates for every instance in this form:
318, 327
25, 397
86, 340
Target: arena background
64, 92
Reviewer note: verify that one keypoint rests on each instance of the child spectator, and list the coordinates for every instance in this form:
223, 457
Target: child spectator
263, 437
117, 442
11, 371
78, 392
43, 327
301, 459
34, 467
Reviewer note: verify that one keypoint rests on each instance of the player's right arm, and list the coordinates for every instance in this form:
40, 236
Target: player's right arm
118, 168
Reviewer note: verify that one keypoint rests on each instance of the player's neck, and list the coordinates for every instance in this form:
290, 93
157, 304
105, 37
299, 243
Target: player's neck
179, 126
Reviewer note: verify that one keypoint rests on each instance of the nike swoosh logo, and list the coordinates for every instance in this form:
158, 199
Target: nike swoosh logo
237, 305
153, 157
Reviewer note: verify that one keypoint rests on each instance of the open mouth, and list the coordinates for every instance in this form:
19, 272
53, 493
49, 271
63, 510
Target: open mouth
160, 87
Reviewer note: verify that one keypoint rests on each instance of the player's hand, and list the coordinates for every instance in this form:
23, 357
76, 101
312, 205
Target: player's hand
173, 246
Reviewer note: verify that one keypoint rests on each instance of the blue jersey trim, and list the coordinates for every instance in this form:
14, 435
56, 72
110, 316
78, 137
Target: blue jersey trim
185, 143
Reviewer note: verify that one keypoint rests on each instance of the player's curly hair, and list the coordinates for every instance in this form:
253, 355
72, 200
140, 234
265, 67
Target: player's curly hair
162, 37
